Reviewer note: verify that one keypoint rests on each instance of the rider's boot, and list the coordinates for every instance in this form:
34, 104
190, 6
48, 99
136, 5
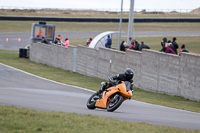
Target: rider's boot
104, 87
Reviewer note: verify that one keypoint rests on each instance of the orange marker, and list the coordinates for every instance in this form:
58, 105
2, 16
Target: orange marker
6, 40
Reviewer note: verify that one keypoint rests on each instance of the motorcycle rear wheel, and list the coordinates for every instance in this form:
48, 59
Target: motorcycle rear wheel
115, 102
92, 101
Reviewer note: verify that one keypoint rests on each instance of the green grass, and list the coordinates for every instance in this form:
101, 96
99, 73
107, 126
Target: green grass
25, 26
17, 120
11, 58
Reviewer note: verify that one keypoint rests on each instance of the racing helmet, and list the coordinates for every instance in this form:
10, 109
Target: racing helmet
129, 73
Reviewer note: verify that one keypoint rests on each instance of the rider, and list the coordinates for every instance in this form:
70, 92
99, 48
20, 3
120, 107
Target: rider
126, 76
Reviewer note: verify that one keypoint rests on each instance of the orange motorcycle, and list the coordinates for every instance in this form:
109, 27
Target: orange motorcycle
112, 97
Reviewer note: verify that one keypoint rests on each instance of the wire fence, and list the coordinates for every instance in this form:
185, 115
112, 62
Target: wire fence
104, 9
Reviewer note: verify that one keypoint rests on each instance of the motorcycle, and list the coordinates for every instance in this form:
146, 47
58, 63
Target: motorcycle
112, 97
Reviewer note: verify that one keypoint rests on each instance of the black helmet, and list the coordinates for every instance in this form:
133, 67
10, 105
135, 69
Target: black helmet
129, 73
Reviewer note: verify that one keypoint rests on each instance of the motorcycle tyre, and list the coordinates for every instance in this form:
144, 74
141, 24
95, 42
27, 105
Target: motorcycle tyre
119, 102
91, 105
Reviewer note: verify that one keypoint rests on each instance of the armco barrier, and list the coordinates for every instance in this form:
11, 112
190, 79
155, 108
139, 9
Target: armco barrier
136, 20
154, 71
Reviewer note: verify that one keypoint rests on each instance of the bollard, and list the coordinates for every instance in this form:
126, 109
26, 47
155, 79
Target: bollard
19, 40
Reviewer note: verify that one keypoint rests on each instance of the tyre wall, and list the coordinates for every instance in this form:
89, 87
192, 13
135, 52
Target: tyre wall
115, 20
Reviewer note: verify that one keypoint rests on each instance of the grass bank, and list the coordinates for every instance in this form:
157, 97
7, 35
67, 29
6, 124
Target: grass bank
67, 77
25, 26
90, 13
17, 120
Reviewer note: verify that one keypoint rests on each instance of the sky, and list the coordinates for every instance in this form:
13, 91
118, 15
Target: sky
103, 4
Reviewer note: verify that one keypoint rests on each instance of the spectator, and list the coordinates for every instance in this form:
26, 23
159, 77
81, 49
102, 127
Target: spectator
56, 41
66, 44
168, 49
134, 45
143, 46
175, 45
44, 40
60, 42
137, 45
183, 49
126, 46
88, 42
130, 40
108, 42
59, 36
171, 45
123, 46
163, 44
39, 34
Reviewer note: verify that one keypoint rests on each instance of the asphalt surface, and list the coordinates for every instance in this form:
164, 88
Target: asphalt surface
21, 89
13, 38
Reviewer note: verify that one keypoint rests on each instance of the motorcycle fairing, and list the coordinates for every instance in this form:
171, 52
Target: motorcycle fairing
103, 102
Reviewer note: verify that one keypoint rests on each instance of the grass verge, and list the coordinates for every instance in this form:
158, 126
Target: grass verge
90, 13
17, 120
25, 26
11, 58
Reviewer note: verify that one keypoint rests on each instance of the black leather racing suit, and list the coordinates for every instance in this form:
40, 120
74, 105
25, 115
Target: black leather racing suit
119, 77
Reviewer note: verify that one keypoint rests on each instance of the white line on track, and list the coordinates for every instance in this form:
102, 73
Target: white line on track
135, 101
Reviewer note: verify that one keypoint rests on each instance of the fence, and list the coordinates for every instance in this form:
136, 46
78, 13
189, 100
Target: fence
154, 71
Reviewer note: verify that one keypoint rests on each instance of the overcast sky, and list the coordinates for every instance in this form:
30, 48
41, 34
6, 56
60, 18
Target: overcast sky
102, 4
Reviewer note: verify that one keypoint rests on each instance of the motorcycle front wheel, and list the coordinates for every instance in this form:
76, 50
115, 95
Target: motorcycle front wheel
115, 102
92, 101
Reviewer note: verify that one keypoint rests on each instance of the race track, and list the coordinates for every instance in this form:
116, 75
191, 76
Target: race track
13, 38
21, 89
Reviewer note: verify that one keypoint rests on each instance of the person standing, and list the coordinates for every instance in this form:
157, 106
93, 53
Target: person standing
175, 45
108, 42
163, 44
